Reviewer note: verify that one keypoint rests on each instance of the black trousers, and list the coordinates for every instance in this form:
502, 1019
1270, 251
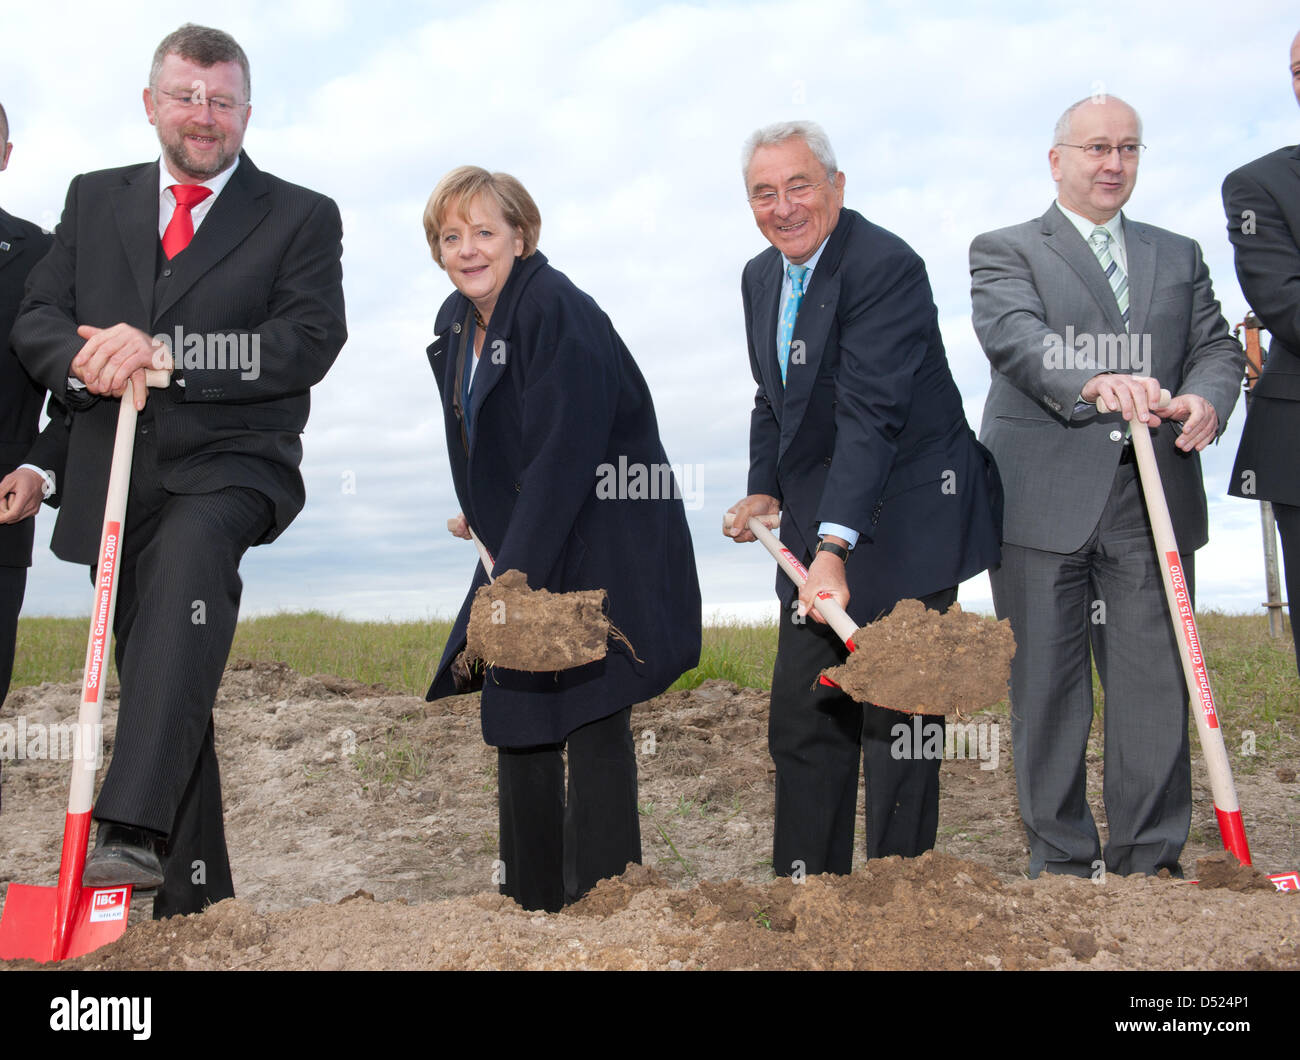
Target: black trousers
552, 851
1288, 525
13, 583
177, 605
815, 735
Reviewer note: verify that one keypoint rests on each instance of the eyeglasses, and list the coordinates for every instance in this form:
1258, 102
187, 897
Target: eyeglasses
797, 196
1099, 152
194, 100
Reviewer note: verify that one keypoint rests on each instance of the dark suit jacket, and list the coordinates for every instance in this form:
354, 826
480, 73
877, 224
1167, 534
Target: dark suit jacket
555, 398
869, 432
1268, 268
1032, 282
264, 266
22, 245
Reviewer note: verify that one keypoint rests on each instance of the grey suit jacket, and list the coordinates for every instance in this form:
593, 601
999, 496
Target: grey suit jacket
1047, 319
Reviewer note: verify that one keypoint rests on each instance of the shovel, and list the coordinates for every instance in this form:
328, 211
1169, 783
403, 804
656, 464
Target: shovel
68, 920
560, 631
1195, 673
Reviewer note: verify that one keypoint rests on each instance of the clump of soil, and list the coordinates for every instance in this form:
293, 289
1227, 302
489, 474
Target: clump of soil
919, 661
1222, 869
519, 628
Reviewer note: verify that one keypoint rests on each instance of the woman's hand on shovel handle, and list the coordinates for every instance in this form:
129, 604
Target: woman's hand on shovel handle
759, 504
458, 526
825, 575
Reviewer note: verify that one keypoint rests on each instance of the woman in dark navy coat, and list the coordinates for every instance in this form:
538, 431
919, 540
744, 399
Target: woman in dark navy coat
557, 463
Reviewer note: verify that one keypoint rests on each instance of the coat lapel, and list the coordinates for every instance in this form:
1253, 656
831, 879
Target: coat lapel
492, 363
1141, 253
11, 240
767, 299
135, 208
240, 208
812, 328
1064, 240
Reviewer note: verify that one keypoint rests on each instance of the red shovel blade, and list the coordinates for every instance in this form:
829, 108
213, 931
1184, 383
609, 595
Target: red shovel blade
68, 920
27, 928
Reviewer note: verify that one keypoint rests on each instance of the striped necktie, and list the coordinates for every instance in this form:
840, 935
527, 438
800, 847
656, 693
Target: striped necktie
1116, 276
786, 330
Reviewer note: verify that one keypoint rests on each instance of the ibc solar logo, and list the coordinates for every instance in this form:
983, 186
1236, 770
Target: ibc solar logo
108, 904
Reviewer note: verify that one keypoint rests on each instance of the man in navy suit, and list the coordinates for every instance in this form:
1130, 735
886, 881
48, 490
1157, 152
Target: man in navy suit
1264, 226
22, 245
859, 440
241, 272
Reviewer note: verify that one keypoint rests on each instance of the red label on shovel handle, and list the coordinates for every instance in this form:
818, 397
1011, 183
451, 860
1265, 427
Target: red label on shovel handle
1187, 620
803, 571
103, 597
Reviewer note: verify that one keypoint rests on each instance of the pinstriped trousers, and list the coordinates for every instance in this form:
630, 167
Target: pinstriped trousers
178, 602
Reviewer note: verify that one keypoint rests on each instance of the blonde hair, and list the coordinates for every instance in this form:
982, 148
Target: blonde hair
465, 183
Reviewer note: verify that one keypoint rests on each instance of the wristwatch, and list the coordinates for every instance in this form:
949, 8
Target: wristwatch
834, 550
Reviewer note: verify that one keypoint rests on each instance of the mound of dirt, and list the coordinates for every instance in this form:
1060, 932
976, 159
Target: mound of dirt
919, 661
362, 827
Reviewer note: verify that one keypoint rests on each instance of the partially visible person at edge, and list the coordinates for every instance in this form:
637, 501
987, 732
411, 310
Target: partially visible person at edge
539, 393
1263, 210
28, 465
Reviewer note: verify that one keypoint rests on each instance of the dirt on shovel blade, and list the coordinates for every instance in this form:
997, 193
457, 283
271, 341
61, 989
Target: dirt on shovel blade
919, 661
519, 628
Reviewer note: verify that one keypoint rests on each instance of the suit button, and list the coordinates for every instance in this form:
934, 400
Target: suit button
1116, 436
167, 272
455, 329
827, 461
516, 487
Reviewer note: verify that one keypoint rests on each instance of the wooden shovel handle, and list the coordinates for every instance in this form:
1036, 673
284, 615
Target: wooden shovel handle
1178, 596
827, 606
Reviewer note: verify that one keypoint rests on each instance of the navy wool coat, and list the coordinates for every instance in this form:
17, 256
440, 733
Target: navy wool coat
557, 402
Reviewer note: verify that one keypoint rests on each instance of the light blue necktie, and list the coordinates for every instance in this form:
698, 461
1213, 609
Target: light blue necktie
786, 330
1116, 276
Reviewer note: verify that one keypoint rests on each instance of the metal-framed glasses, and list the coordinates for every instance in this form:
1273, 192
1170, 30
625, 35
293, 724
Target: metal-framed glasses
194, 100
1099, 152
797, 195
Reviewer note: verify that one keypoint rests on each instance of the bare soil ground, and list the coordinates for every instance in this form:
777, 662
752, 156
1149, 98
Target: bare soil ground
362, 828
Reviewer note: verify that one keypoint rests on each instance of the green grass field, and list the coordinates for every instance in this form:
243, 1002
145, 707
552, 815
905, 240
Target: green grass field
1252, 677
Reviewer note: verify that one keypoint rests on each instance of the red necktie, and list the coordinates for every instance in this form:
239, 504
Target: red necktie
180, 229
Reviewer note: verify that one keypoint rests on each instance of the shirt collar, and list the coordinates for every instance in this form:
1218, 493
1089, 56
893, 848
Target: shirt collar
215, 184
1114, 226
810, 264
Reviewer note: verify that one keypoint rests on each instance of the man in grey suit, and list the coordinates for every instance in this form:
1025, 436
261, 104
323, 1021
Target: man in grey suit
1076, 306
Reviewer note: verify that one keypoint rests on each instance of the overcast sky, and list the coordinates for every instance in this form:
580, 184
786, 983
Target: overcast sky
625, 121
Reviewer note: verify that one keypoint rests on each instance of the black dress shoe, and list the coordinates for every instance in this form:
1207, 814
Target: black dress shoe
124, 854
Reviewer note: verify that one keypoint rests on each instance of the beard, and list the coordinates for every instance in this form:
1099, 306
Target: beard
183, 161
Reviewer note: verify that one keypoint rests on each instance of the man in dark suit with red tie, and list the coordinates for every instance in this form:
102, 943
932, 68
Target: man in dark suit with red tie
859, 440
236, 274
